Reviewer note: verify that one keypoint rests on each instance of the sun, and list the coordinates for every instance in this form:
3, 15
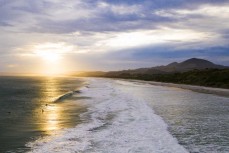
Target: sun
50, 52
52, 56
49, 56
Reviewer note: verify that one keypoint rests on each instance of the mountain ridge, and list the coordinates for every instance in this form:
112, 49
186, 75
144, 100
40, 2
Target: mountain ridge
187, 65
193, 71
174, 67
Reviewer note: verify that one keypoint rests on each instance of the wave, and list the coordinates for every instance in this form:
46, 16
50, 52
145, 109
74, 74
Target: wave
66, 96
114, 123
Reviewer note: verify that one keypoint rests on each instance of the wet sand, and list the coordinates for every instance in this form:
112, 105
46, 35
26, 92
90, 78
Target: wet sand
201, 89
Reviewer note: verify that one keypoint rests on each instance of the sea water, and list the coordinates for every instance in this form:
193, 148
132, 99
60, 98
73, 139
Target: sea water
117, 116
28, 110
200, 122
115, 122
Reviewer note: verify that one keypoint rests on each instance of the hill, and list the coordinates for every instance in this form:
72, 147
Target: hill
192, 71
190, 64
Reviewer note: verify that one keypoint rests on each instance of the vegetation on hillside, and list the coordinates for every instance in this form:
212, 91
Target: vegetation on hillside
208, 77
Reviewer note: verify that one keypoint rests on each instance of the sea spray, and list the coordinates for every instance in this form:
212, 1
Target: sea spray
114, 123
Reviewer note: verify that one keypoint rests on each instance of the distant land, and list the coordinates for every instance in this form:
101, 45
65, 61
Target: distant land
193, 71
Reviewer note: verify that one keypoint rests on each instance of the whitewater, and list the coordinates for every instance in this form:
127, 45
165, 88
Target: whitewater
115, 122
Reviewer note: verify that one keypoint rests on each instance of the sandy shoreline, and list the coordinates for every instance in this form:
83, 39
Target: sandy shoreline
201, 89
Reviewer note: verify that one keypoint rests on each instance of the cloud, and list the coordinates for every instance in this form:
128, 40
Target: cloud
149, 56
135, 33
55, 16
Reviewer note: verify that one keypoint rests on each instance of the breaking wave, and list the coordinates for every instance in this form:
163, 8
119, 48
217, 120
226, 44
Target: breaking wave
114, 123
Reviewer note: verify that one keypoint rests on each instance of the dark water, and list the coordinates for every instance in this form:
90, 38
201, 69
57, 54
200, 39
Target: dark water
199, 121
27, 110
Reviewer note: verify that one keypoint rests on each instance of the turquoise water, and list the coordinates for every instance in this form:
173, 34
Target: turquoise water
28, 111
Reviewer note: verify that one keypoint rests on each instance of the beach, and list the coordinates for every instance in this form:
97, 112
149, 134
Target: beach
102, 115
201, 89
115, 122
124, 116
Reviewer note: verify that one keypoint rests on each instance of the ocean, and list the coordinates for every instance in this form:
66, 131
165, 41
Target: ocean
91, 115
28, 110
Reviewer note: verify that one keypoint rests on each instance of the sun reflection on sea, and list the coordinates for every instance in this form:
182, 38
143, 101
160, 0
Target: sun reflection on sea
52, 118
50, 112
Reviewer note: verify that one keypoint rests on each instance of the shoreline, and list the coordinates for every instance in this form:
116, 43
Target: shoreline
200, 89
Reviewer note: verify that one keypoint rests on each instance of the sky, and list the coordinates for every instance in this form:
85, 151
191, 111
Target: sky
56, 36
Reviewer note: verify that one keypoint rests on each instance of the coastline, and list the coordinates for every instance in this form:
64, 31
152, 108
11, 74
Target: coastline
111, 118
200, 89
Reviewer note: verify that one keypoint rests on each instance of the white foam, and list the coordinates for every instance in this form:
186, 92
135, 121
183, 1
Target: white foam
115, 123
